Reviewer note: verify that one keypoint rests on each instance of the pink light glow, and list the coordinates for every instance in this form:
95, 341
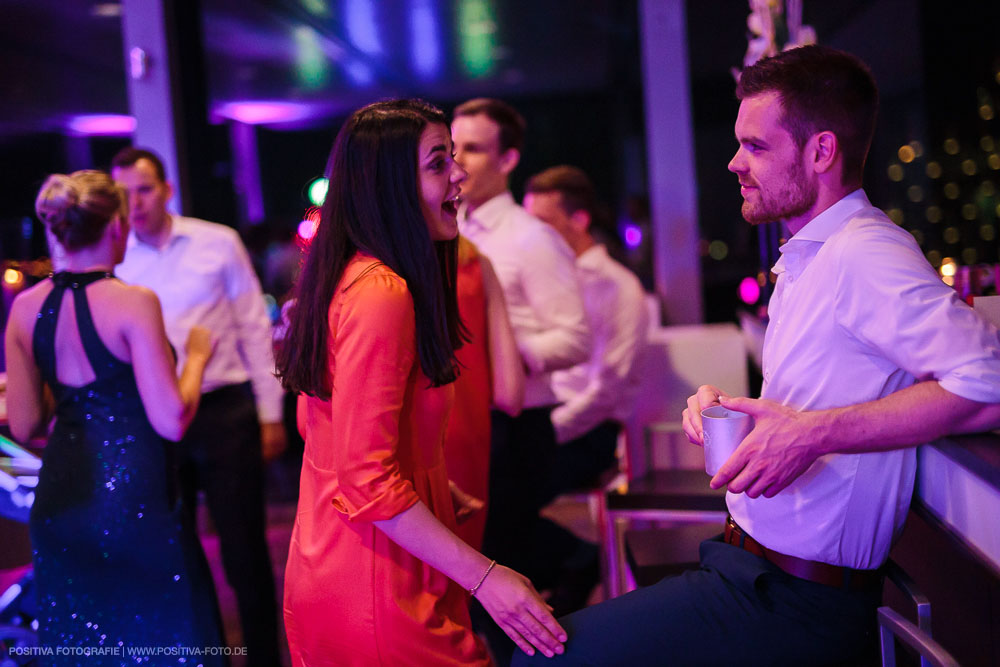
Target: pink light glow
749, 290
310, 222
102, 125
633, 235
260, 112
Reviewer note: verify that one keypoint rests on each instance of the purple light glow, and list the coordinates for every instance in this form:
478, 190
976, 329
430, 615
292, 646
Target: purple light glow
101, 125
632, 235
749, 290
261, 112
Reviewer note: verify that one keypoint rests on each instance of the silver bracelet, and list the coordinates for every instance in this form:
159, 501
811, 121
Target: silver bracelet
472, 591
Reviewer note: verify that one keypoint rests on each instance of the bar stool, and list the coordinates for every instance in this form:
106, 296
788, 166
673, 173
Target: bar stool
893, 626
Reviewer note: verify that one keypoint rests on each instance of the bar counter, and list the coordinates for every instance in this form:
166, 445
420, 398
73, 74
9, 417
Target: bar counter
951, 544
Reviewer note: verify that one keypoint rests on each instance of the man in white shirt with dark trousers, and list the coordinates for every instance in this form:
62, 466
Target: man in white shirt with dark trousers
202, 274
867, 354
596, 396
536, 271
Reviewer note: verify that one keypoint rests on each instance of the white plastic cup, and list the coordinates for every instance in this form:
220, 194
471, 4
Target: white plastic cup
723, 430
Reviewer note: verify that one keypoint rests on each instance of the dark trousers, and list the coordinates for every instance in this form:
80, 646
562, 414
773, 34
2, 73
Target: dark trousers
737, 609
220, 455
522, 452
579, 463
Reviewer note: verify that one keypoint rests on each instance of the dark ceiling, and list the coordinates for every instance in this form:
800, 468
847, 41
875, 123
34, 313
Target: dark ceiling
64, 58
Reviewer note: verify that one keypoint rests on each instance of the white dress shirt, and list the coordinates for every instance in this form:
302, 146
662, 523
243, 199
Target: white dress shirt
857, 314
536, 271
203, 275
605, 385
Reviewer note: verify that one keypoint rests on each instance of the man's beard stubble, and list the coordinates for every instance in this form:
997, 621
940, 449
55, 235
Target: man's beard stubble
796, 196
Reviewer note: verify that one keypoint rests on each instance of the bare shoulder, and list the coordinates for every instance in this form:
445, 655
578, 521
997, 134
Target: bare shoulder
27, 304
130, 304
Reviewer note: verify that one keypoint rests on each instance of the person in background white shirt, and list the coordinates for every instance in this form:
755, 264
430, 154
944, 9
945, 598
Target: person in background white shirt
867, 354
595, 396
202, 274
536, 271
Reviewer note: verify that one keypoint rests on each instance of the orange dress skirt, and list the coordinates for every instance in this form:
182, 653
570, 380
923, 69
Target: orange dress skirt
352, 595
467, 439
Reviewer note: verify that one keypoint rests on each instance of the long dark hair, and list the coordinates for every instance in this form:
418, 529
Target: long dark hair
372, 205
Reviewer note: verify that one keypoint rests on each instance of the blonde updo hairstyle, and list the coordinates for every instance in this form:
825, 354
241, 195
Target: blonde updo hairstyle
77, 208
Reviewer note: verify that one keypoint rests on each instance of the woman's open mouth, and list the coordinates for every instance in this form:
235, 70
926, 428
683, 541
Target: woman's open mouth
451, 205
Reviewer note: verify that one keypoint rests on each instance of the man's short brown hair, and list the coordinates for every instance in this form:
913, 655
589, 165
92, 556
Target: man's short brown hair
572, 183
820, 89
511, 123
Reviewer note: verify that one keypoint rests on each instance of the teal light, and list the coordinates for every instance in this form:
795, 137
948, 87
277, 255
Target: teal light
317, 191
311, 66
477, 28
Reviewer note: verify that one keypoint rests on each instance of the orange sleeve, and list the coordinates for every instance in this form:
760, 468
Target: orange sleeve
373, 349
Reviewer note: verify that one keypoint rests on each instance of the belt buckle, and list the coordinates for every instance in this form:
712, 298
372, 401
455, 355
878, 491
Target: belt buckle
734, 534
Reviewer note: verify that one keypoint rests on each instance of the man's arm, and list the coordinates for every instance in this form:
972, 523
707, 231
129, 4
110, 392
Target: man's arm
550, 284
253, 330
785, 442
618, 340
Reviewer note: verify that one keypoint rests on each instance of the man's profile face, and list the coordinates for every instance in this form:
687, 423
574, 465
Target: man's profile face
477, 149
773, 179
547, 207
147, 197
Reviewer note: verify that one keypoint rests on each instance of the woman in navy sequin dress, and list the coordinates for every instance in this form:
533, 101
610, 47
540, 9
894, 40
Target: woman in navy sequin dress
118, 574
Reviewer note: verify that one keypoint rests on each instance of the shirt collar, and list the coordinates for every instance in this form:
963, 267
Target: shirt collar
817, 231
178, 229
592, 257
832, 219
490, 213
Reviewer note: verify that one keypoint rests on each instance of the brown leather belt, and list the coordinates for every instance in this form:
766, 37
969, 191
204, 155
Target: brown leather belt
811, 570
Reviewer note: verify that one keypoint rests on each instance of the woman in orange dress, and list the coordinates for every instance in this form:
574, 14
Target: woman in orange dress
492, 375
375, 575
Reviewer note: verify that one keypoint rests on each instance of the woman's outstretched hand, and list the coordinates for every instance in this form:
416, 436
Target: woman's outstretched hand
517, 607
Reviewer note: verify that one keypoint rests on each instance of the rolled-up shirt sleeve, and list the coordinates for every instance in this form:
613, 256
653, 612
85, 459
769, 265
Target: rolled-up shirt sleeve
371, 355
904, 310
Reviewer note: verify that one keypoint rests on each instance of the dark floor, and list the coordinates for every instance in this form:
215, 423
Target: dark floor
280, 517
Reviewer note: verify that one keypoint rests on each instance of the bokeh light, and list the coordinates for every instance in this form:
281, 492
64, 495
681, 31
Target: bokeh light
13, 278
310, 223
718, 250
895, 172
906, 154
317, 189
632, 235
951, 146
749, 290
933, 170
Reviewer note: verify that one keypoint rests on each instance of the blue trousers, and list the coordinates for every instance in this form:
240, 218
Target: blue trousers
738, 609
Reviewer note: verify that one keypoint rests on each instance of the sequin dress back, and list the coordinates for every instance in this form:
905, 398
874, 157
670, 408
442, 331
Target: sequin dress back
117, 571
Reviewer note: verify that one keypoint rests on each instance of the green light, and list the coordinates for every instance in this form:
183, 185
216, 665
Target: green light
477, 28
311, 66
317, 191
